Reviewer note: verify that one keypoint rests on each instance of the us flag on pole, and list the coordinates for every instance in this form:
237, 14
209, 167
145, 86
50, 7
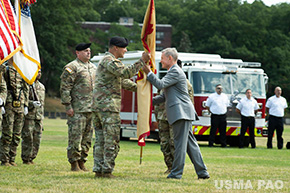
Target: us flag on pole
144, 87
9, 31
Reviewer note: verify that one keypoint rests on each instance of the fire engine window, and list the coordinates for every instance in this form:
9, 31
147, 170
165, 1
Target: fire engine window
205, 82
242, 82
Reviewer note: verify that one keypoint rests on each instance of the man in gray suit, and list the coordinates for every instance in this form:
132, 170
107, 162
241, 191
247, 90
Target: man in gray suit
180, 113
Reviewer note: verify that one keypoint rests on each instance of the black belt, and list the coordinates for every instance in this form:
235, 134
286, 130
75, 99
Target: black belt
218, 115
275, 117
249, 117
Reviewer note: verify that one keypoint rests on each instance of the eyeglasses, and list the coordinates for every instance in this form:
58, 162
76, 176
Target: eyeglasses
218, 88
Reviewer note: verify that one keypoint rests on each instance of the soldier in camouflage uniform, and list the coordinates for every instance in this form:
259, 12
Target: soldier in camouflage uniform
16, 107
32, 130
76, 90
111, 76
3, 94
165, 129
165, 135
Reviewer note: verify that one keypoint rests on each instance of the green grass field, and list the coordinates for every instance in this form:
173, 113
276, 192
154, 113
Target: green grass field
231, 169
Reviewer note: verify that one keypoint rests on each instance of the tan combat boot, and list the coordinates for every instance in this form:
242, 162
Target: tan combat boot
12, 163
75, 167
5, 164
108, 175
82, 165
98, 175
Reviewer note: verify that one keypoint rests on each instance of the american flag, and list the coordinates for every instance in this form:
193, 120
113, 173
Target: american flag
9, 31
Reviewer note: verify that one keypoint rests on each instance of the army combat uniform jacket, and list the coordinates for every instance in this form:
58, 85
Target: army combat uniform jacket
77, 83
3, 88
17, 88
36, 94
111, 76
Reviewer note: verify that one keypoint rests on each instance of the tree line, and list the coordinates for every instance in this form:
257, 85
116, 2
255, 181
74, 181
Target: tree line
232, 28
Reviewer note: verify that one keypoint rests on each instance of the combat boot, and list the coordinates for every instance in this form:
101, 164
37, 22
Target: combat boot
108, 175
75, 167
98, 175
82, 165
12, 163
26, 162
5, 164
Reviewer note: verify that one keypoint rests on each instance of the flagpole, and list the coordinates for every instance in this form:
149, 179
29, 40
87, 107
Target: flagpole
141, 152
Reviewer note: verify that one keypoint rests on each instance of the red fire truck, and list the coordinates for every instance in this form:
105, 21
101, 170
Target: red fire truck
204, 72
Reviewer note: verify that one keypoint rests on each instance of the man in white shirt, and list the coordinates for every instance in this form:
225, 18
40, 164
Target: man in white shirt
217, 104
276, 106
247, 108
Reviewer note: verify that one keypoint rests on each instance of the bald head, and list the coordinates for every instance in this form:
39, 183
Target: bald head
278, 91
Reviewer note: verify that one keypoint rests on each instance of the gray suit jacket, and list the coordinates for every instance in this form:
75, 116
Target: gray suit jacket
177, 101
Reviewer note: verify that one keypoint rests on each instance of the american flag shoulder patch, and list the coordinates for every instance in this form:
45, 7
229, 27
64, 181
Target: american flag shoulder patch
68, 69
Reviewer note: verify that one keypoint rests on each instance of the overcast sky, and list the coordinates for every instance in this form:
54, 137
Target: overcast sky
270, 2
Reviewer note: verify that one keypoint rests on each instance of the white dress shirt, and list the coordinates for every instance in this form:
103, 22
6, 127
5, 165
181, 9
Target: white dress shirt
217, 103
248, 107
276, 105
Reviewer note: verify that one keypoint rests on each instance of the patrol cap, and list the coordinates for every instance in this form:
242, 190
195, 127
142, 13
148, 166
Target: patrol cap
82, 46
119, 41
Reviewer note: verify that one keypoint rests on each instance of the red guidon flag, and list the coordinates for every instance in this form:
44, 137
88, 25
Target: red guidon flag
144, 88
9, 30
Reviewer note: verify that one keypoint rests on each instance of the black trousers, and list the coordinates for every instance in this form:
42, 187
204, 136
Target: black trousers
275, 123
247, 122
220, 122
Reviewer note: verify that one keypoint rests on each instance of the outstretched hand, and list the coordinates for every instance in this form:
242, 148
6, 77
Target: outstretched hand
146, 69
146, 56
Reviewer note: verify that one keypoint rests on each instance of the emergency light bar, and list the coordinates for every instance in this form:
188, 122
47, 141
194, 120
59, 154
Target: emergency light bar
251, 64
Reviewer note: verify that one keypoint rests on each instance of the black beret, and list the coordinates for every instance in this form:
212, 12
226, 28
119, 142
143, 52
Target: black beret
82, 46
119, 41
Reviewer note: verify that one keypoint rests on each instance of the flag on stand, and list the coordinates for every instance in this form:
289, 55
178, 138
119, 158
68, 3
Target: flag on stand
144, 88
26, 62
9, 31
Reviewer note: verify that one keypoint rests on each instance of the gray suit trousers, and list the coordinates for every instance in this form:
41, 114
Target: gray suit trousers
184, 141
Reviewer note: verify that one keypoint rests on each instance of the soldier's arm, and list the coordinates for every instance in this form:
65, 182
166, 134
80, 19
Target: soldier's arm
42, 93
3, 89
25, 92
128, 84
66, 85
117, 68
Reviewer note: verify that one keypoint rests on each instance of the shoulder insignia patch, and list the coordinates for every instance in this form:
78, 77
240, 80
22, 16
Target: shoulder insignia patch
118, 63
68, 69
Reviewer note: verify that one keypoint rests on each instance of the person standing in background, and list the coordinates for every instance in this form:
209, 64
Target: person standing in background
276, 106
16, 108
76, 91
247, 108
33, 126
217, 104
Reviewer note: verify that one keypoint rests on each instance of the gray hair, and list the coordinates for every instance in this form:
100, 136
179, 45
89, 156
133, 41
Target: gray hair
170, 52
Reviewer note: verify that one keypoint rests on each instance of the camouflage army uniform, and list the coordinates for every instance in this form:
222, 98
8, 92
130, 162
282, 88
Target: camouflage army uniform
165, 130
112, 75
77, 82
13, 119
3, 93
190, 91
165, 134
32, 130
